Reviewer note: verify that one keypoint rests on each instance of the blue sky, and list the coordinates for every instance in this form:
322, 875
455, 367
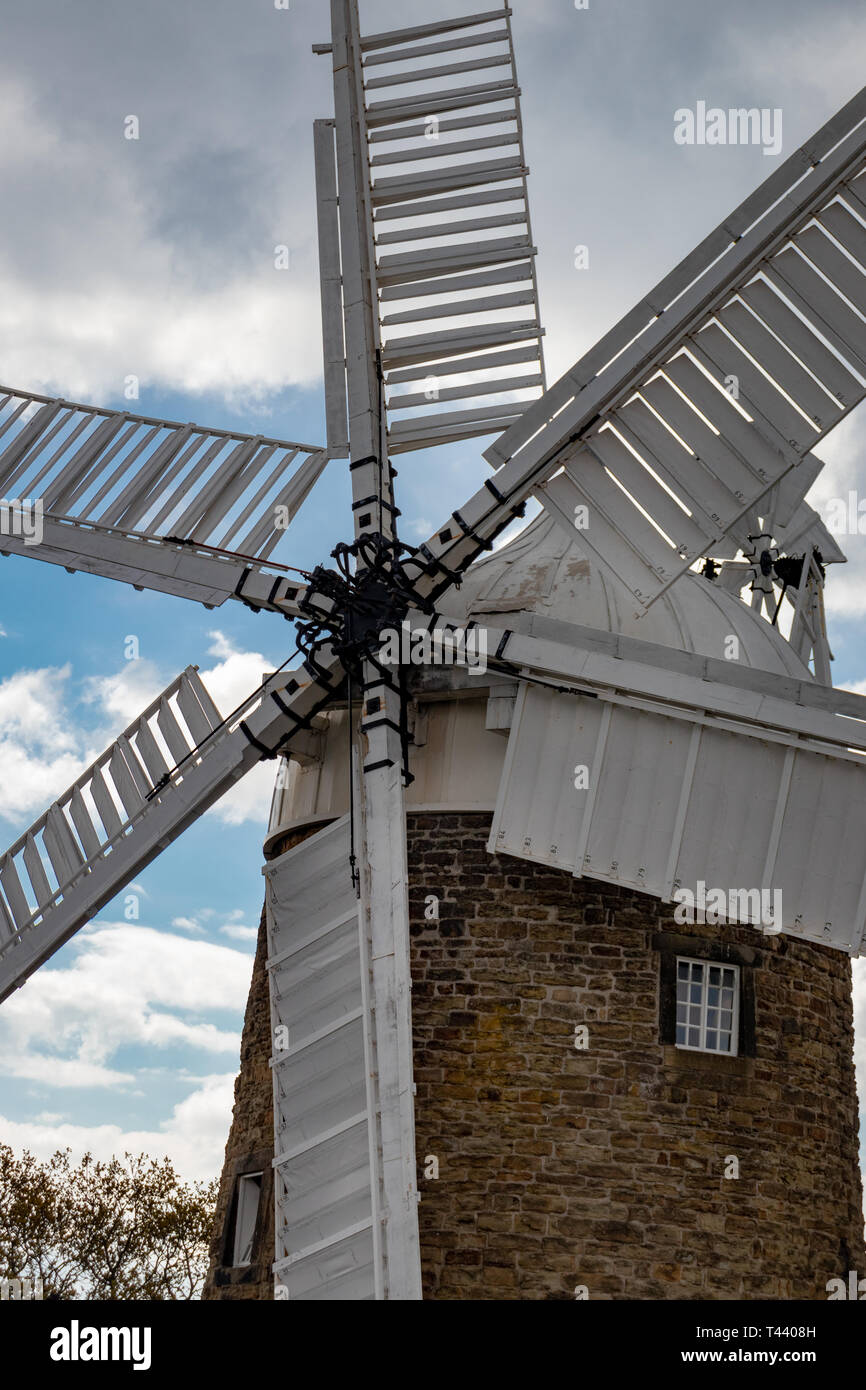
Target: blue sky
155, 257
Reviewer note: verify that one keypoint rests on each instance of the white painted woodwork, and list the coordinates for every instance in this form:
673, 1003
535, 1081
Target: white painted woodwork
187, 571
370, 474
405, 193
327, 1143
330, 283
381, 823
665, 808
384, 878
458, 766
130, 475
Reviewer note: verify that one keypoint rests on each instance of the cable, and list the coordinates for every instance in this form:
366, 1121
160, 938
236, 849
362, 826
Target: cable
218, 550
167, 776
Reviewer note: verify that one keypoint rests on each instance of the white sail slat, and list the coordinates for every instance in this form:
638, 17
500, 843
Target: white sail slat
433, 169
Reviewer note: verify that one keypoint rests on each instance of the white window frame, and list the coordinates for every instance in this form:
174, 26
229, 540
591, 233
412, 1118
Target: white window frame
706, 966
247, 1203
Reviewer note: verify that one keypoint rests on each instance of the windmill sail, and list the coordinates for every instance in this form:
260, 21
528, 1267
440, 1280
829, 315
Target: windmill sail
443, 203
327, 1147
158, 777
184, 509
671, 431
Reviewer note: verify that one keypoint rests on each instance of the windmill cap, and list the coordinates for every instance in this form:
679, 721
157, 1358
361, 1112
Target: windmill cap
544, 571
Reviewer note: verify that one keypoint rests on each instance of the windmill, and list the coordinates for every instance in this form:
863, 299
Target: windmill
646, 463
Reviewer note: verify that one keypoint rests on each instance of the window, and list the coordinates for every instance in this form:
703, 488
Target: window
708, 1006
685, 1022
249, 1193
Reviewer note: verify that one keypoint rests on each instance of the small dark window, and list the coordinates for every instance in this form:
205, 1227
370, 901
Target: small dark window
248, 1198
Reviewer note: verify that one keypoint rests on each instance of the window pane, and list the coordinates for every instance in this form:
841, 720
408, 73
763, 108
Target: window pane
706, 1002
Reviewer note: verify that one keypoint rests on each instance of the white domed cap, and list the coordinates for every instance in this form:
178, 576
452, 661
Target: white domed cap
544, 571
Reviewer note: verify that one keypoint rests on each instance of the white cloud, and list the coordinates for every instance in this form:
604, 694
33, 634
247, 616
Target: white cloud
123, 695
232, 924
128, 985
39, 751
75, 317
239, 933
188, 924
193, 1137
234, 677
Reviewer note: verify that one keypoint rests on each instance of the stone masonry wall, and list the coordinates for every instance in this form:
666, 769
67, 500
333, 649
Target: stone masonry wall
605, 1168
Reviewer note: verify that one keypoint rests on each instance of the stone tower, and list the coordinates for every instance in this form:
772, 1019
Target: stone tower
613, 1164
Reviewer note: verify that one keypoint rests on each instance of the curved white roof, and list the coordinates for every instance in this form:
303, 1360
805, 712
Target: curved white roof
543, 571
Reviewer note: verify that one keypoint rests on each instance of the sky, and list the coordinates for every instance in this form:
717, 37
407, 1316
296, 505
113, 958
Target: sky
155, 258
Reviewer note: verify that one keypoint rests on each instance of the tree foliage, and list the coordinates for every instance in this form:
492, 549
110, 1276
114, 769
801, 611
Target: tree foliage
125, 1228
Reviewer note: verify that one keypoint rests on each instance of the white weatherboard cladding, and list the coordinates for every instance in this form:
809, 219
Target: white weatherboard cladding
672, 799
635, 775
731, 811
325, 1126
455, 760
